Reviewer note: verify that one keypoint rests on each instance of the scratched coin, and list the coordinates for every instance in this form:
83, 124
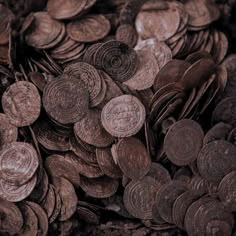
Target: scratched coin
21, 103
123, 116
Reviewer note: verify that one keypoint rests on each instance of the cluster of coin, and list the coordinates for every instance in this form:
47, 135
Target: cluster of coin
108, 115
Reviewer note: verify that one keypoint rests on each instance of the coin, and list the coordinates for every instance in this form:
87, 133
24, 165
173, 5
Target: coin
90, 28
12, 219
91, 131
117, 59
102, 187
188, 135
68, 197
57, 208
61, 10
166, 197
123, 116
21, 103
146, 72
139, 197
133, 158
18, 163
216, 159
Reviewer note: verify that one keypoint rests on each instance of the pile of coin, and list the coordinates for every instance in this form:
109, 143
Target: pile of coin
118, 115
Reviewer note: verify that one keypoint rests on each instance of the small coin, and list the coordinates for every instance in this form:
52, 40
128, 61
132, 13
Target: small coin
65, 10
139, 197
146, 72
30, 226
216, 159
57, 208
68, 197
59, 166
198, 185
133, 158
90, 28
117, 59
102, 187
18, 163
123, 116
166, 197
21, 103
107, 164
12, 219
91, 131
183, 142
87, 215
66, 99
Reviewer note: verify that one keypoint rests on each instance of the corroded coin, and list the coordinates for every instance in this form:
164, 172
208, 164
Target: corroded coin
146, 72
133, 158
117, 59
68, 197
107, 164
91, 78
57, 208
139, 197
65, 10
183, 142
91, 131
216, 159
227, 191
123, 116
12, 219
166, 197
30, 226
21, 103
8, 132
90, 28
18, 163
59, 166
66, 99
14, 193
102, 187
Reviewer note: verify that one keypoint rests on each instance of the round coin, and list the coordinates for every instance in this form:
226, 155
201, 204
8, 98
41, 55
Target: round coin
21, 103
183, 142
123, 116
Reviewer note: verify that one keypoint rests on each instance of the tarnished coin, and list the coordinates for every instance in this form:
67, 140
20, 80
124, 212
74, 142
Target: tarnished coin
227, 191
68, 197
65, 10
219, 226
91, 78
90, 28
133, 158
183, 142
41, 216
14, 193
12, 219
66, 99
160, 50
102, 187
198, 186
30, 226
216, 159
57, 208
21, 103
117, 59
44, 30
225, 111
139, 197
219, 131
8, 132
18, 163
59, 166
123, 116
91, 131
107, 164
146, 72
87, 215
166, 197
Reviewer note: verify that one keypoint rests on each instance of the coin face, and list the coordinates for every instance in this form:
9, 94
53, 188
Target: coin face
18, 163
139, 197
123, 116
21, 103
